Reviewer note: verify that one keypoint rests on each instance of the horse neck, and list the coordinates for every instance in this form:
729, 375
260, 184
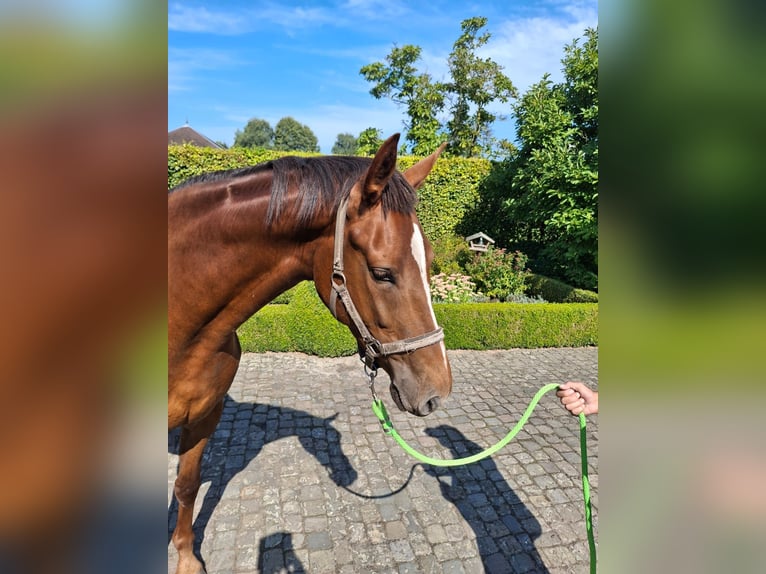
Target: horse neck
224, 263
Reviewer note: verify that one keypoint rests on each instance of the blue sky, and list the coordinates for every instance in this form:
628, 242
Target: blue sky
233, 60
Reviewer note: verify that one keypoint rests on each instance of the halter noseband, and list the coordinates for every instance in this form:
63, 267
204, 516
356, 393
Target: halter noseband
373, 348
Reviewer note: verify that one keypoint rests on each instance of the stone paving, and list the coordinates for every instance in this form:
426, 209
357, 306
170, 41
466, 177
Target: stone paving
299, 476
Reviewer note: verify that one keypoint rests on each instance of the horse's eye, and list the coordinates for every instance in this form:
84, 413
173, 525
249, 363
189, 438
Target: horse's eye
380, 274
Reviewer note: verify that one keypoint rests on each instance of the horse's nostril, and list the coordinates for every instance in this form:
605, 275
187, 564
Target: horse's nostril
430, 406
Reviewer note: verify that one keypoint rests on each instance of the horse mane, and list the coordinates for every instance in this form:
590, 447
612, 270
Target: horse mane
322, 182
220, 175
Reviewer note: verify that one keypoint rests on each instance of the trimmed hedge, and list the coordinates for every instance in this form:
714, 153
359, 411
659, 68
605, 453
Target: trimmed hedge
305, 325
451, 189
482, 326
185, 161
556, 291
449, 192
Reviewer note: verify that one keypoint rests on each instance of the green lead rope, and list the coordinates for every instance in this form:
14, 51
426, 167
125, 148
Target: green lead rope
380, 411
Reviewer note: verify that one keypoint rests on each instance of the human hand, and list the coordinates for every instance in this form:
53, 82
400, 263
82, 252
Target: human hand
578, 398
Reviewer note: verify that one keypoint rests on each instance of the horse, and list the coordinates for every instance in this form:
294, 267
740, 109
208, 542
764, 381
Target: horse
239, 238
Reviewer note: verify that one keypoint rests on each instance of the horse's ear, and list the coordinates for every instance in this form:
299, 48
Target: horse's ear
417, 174
382, 168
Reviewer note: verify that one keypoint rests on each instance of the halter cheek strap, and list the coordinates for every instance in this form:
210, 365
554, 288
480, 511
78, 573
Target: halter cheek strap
373, 348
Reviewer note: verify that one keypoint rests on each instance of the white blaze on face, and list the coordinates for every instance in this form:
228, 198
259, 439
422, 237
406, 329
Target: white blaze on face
418, 247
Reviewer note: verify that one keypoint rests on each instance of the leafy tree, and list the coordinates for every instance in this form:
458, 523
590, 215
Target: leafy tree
290, 135
345, 144
398, 79
257, 133
475, 84
368, 142
543, 199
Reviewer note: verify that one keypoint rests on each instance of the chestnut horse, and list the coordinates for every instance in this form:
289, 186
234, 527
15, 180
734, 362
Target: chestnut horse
239, 238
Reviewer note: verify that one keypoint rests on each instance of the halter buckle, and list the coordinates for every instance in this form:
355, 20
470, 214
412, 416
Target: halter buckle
373, 348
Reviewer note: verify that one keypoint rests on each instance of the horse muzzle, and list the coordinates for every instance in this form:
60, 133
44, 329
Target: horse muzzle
423, 407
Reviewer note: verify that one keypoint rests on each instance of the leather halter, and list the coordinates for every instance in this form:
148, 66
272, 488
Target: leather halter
373, 348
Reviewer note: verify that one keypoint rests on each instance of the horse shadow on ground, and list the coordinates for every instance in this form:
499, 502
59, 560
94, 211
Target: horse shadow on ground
244, 430
505, 529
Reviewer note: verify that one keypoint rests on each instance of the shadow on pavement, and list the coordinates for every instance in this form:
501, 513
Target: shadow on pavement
234, 445
277, 555
505, 529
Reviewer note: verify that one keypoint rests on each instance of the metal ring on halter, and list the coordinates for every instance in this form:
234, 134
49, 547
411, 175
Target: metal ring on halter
371, 373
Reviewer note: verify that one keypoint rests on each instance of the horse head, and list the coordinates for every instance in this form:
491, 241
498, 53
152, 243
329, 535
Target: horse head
382, 259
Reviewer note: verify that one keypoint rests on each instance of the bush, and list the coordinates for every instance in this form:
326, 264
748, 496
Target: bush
451, 254
499, 274
482, 326
557, 291
521, 298
267, 331
449, 192
305, 325
453, 288
312, 328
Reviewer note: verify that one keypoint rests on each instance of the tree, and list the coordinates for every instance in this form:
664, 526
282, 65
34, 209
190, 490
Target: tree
257, 133
543, 199
368, 142
475, 84
345, 144
290, 135
424, 99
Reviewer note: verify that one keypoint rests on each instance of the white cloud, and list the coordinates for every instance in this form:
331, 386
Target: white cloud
185, 65
199, 19
295, 17
528, 48
376, 9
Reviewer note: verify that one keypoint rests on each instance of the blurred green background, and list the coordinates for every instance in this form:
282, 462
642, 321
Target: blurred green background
682, 275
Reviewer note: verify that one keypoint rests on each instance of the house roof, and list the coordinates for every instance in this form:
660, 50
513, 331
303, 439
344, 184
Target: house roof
186, 134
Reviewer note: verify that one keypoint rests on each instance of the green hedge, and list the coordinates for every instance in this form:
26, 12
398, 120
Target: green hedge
185, 161
307, 326
556, 291
449, 192
482, 326
303, 325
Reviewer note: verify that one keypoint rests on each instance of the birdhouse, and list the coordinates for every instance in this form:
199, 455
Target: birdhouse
479, 241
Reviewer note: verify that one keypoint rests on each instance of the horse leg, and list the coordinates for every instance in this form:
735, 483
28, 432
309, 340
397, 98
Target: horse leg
193, 441
220, 371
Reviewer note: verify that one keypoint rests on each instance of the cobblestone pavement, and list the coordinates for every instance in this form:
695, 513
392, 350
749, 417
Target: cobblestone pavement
299, 476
